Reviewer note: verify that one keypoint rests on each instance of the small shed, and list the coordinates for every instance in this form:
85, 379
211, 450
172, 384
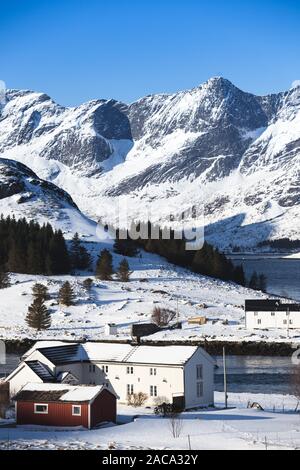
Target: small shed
111, 329
63, 405
197, 321
138, 330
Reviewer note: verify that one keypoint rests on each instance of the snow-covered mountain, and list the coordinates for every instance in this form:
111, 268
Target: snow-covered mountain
231, 155
23, 194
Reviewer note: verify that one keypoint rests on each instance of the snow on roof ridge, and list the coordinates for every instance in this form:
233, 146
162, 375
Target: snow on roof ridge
168, 354
72, 392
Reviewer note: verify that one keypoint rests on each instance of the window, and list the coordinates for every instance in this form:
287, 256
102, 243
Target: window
272, 314
199, 389
153, 391
92, 368
76, 410
40, 409
152, 371
259, 322
130, 389
285, 322
105, 369
199, 372
130, 370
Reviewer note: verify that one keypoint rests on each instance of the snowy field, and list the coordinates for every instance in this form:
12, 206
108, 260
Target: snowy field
154, 282
278, 427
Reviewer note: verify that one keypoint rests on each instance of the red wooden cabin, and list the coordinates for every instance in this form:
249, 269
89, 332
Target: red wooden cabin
65, 405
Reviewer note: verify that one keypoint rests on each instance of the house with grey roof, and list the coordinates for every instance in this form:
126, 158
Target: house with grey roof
182, 375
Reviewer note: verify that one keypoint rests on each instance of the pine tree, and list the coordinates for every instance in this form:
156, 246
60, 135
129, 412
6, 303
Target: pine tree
58, 261
123, 272
87, 284
239, 275
79, 256
39, 291
125, 247
66, 294
104, 267
262, 283
38, 316
4, 279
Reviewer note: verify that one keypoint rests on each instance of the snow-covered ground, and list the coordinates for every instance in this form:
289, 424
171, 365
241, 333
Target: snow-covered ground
154, 282
278, 427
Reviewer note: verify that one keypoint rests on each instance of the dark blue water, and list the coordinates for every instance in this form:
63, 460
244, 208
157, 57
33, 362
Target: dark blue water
283, 275
12, 361
255, 374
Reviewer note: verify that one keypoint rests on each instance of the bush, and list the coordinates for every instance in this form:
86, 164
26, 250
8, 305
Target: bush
137, 399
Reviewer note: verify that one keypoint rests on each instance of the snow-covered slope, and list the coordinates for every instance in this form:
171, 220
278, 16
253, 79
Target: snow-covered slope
154, 282
23, 194
213, 150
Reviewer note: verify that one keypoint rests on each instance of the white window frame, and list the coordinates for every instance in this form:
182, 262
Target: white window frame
153, 391
41, 412
73, 410
259, 321
153, 371
199, 371
200, 390
130, 370
130, 389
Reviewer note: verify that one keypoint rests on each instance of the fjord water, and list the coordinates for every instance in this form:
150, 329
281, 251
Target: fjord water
283, 275
256, 374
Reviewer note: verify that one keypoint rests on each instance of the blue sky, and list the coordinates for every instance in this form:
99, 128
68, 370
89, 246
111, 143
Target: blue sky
76, 50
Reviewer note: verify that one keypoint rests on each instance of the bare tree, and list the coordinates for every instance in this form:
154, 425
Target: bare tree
176, 425
137, 399
162, 316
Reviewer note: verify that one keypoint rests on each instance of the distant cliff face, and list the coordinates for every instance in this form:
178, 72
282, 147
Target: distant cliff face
235, 153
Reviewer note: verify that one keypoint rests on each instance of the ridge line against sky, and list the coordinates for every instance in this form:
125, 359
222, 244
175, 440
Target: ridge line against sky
125, 50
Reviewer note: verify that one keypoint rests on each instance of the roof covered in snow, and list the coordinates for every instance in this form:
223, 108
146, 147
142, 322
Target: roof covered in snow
118, 352
45, 392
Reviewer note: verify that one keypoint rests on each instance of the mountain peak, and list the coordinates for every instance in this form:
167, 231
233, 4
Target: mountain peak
219, 82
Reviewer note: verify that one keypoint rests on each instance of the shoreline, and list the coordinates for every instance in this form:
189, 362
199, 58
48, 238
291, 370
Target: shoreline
215, 348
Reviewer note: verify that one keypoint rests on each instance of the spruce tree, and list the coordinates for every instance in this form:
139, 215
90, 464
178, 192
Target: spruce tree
262, 282
253, 284
104, 267
87, 284
4, 279
125, 247
79, 256
239, 275
123, 272
66, 294
39, 291
58, 261
38, 316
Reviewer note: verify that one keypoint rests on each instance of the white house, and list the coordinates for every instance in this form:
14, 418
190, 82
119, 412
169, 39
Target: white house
178, 374
264, 314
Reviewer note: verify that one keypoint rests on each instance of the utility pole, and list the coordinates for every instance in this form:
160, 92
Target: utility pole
225, 378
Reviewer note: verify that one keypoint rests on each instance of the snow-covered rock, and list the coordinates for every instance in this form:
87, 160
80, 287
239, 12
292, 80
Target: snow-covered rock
213, 150
23, 194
